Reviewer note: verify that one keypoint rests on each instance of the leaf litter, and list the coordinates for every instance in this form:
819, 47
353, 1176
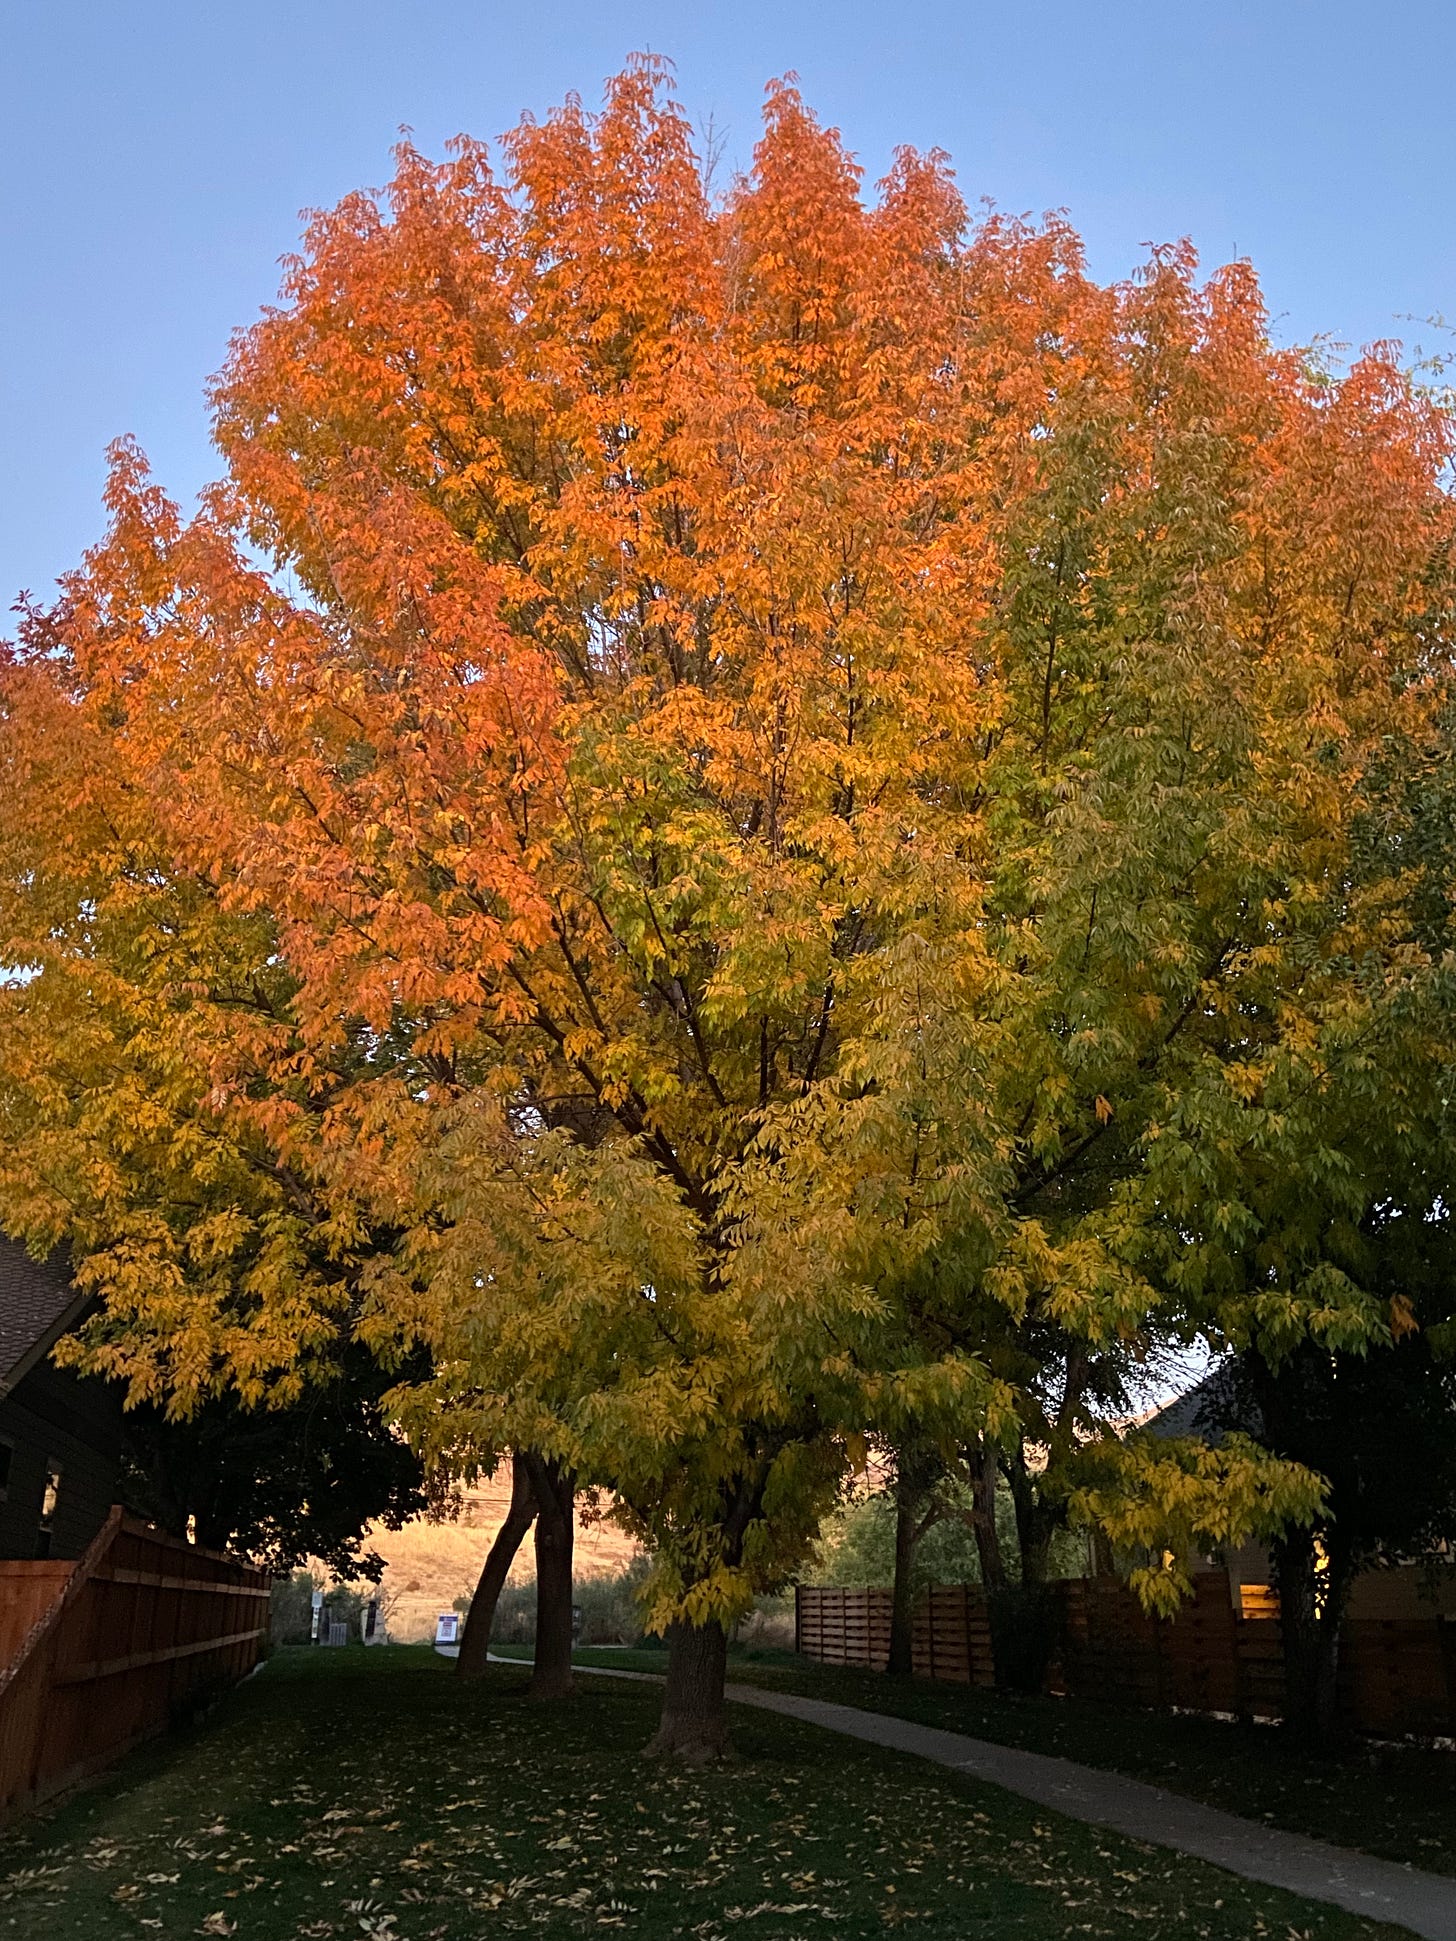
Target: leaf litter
435, 1814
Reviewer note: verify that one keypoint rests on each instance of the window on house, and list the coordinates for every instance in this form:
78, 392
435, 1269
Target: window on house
7, 1450
50, 1497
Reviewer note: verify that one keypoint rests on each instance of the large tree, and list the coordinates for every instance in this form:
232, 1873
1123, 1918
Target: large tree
784, 751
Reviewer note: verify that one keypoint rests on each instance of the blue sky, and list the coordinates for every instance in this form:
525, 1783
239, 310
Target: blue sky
156, 155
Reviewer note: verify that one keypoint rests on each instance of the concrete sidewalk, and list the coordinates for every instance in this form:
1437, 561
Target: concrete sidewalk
1381, 1890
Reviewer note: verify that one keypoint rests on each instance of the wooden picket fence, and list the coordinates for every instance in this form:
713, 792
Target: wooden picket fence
105, 1652
1397, 1676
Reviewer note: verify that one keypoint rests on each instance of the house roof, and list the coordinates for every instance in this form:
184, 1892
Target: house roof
38, 1303
1203, 1412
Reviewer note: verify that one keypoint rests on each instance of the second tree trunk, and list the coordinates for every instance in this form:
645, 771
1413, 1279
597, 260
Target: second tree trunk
554, 1487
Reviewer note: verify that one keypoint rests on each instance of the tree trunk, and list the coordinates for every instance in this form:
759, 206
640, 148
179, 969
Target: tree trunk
900, 1663
1311, 1611
480, 1619
983, 1468
554, 1487
1034, 1520
1024, 1617
694, 1725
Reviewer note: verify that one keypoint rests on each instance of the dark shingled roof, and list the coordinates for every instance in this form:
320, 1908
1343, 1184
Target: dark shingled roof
1202, 1412
37, 1304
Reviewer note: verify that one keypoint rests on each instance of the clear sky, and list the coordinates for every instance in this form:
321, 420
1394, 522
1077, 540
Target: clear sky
156, 154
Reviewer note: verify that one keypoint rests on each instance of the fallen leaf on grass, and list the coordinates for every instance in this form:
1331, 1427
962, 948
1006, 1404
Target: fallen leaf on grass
772, 1907
25, 1880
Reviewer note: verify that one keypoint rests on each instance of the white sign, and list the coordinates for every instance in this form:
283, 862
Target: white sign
447, 1628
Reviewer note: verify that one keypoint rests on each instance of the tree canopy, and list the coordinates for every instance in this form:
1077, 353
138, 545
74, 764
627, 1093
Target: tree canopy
748, 818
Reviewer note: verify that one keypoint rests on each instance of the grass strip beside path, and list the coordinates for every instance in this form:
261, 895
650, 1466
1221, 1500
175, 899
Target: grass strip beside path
353, 1793
1398, 1802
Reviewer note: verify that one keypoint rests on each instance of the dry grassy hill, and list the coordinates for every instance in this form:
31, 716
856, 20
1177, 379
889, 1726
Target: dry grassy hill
428, 1565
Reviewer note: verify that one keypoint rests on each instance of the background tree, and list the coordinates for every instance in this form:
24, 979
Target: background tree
1379, 1425
279, 1485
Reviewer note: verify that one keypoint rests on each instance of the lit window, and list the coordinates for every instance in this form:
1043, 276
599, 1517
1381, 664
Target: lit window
49, 1497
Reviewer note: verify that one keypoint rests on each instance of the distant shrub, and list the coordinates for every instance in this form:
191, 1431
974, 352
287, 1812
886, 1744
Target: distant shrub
610, 1607
856, 1547
769, 1626
608, 1602
290, 1605
290, 1608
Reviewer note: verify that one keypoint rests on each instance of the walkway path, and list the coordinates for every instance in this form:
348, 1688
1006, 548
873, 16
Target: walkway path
1381, 1890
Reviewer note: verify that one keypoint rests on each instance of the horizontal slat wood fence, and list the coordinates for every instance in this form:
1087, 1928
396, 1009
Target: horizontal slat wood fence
119, 1646
1397, 1677
842, 1627
952, 1640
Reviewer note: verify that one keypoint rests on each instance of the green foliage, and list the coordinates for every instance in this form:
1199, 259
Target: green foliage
1378, 1425
856, 1548
279, 1484
290, 1608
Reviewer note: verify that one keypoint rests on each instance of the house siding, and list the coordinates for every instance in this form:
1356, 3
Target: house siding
55, 1416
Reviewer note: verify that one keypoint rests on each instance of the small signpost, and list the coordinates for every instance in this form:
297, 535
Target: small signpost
318, 1611
447, 1628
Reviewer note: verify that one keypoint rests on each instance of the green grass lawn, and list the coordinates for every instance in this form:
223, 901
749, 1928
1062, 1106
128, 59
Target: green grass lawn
1396, 1801
354, 1793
